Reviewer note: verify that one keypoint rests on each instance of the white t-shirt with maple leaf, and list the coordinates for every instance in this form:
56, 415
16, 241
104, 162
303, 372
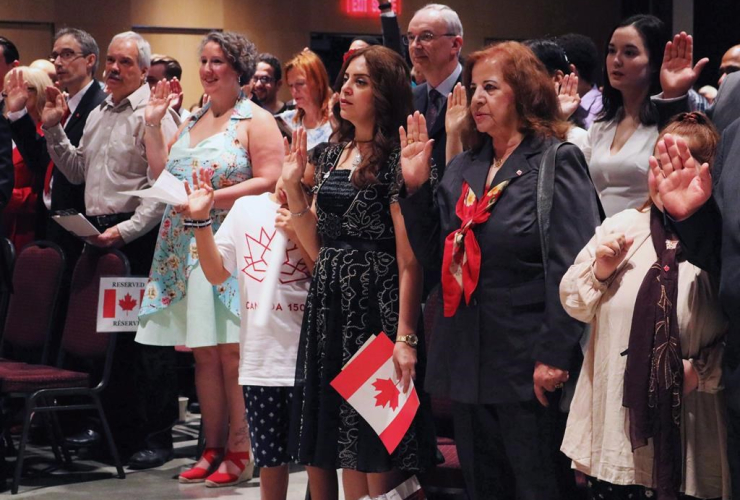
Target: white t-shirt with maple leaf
268, 354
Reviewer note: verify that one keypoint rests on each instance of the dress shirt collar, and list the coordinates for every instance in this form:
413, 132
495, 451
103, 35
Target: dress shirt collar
74, 101
447, 84
590, 97
136, 99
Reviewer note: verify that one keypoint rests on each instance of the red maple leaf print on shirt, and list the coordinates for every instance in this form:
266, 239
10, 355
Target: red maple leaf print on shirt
258, 248
127, 303
387, 393
295, 271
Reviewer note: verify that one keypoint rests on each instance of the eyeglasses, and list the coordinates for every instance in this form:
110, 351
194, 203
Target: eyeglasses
66, 55
425, 37
264, 80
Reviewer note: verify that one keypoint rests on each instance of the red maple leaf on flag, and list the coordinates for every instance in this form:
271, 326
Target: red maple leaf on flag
127, 303
387, 393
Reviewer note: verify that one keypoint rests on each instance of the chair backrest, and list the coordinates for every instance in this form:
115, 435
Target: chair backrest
7, 259
441, 407
37, 274
80, 337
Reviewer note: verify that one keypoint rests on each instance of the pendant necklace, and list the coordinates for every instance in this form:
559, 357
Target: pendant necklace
355, 163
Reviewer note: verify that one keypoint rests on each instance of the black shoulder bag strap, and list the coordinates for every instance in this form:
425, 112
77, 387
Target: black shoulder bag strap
545, 190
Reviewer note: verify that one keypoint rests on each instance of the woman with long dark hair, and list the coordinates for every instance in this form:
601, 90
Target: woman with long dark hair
622, 139
366, 281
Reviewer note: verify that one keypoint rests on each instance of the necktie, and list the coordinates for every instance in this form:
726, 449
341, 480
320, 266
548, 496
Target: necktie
433, 108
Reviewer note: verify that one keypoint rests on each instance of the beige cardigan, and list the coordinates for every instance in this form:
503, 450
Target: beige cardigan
597, 435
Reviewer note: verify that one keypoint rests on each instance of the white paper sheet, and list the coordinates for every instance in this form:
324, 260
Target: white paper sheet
168, 189
76, 224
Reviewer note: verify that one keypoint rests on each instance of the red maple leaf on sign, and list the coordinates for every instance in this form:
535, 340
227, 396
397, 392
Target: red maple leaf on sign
127, 303
387, 393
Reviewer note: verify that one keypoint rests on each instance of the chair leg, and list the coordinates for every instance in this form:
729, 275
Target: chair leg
27, 414
109, 438
52, 437
60, 438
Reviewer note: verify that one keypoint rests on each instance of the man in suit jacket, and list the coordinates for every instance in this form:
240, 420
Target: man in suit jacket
9, 59
75, 56
435, 39
706, 218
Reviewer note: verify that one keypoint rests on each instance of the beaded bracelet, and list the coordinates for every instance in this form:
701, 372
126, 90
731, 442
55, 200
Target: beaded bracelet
301, 213
197, 223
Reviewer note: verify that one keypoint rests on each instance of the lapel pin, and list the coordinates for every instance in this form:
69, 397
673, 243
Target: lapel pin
518, 172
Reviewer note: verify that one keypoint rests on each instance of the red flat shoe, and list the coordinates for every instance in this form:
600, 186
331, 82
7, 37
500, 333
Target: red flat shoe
213, 456
243, 461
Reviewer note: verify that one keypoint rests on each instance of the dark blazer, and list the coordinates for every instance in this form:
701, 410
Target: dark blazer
437, 129
64, 194
392, 34
485, 354
33, 149
712, 241
726, 106
7, 173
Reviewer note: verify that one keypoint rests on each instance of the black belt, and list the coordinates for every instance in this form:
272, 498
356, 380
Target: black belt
362, 245
109, 220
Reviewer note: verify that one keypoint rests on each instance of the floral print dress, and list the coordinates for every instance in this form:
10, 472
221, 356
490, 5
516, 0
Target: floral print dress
167, 315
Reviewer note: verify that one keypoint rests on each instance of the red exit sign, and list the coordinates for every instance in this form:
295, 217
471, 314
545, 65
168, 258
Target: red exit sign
367, 8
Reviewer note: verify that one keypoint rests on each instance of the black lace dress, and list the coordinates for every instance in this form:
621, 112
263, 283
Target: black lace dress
354, 294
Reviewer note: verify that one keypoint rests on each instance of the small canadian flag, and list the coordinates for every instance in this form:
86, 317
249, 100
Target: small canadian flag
126, 303
119, 300
369, 384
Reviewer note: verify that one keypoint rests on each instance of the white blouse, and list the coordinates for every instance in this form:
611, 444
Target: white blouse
620, 179
597, 434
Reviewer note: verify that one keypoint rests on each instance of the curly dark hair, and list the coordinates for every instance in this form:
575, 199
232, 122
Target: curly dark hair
392, 100
240, 52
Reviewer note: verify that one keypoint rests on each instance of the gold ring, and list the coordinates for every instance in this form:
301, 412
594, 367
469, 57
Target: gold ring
410, 141
559, 386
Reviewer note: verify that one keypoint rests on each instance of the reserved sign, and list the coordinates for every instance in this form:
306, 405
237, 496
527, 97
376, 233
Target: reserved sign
119, 301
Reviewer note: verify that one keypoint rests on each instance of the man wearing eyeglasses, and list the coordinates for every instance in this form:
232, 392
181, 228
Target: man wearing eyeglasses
75, 58
435, 39
266, 83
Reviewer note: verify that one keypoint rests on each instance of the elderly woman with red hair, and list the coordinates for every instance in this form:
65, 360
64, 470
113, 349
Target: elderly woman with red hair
503, 342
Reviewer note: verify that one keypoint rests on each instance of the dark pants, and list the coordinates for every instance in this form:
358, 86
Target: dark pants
511, 452
141, 400
601, 490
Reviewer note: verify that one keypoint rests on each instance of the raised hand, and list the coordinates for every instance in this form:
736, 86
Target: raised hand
55, 107
296, 157
200, 196
457, 111
568, 95
176, 93
16, 92
683, 185
610, 253
677, 75
416, 152
159, 102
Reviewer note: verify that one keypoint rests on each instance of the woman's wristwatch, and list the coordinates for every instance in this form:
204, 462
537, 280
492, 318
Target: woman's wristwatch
412, 340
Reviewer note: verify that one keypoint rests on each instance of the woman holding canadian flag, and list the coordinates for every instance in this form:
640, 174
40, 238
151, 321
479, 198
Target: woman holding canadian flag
505, 341
366, 281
